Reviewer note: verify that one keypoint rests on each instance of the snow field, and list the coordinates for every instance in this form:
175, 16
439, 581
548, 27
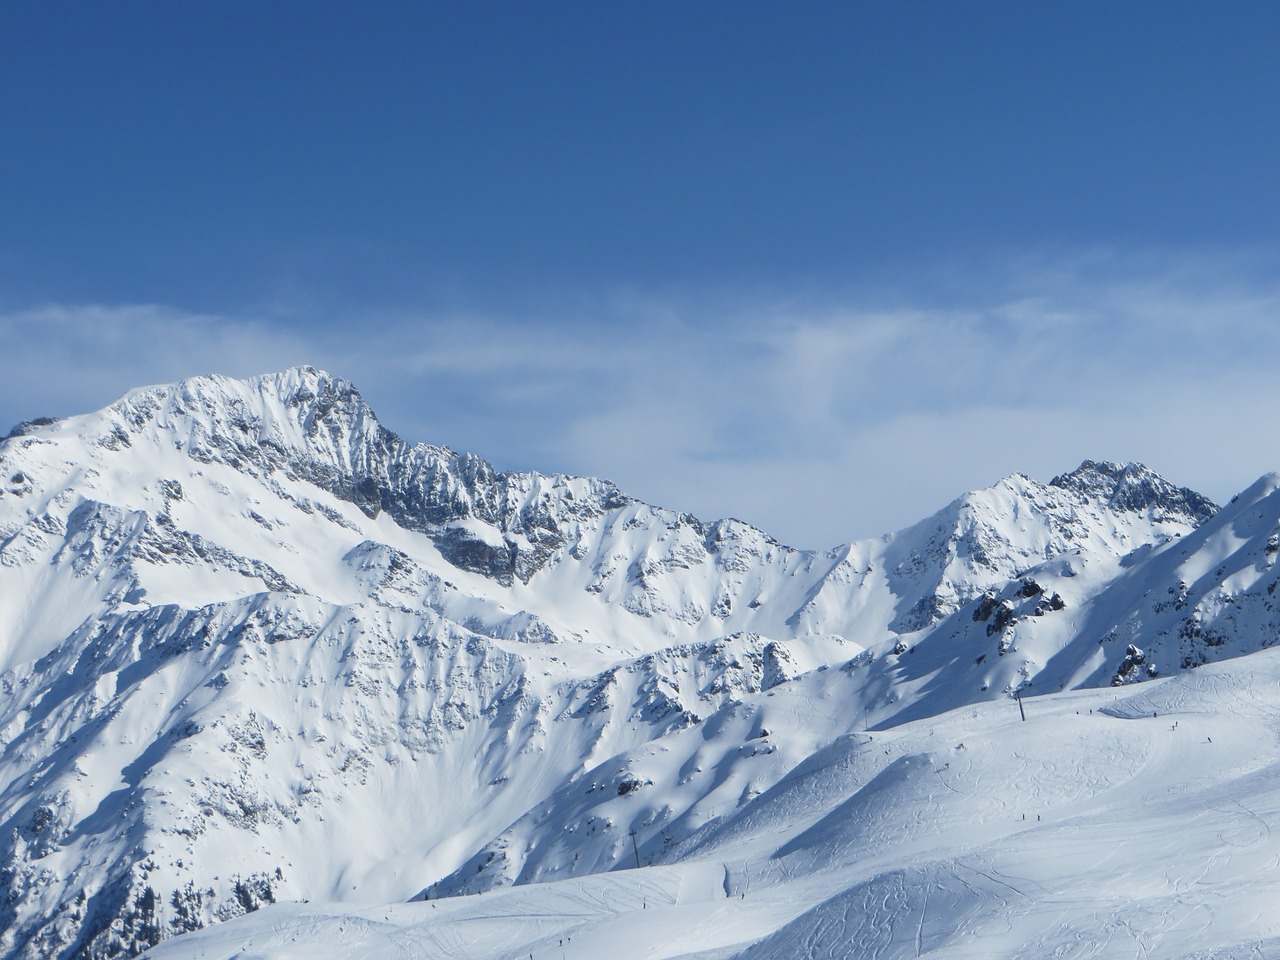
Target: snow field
1144, 836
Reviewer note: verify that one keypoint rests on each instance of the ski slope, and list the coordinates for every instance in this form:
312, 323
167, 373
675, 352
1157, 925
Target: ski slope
1140, 822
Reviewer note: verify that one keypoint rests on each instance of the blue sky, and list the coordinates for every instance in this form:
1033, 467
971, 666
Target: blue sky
822, 266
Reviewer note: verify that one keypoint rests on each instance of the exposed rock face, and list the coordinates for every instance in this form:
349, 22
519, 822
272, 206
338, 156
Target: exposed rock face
1132, 488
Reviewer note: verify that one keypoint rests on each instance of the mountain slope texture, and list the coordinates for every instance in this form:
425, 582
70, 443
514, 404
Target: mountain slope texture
274, 682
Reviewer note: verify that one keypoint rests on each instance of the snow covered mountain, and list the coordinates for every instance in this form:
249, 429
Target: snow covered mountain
1110, 824
255, 648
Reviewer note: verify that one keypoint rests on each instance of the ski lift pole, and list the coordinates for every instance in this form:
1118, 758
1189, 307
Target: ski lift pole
1018, 696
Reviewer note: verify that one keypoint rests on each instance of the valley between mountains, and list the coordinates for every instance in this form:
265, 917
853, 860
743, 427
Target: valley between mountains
276, 683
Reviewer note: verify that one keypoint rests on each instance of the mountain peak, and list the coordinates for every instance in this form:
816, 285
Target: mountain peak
300, 408
212, 398
1135, 488
293, 387
302, 379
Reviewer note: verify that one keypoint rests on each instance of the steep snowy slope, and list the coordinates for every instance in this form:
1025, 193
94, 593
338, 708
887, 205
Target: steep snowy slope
1110, 824
255, 647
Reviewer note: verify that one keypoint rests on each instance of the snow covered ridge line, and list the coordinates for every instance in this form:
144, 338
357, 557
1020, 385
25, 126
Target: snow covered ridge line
313, 427
255, 648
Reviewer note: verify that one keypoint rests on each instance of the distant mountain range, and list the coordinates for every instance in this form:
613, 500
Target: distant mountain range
255, 648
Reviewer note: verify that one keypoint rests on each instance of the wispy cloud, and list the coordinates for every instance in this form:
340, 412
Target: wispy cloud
817, 418
65, 359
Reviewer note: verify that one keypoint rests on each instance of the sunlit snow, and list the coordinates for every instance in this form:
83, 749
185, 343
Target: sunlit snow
273, 679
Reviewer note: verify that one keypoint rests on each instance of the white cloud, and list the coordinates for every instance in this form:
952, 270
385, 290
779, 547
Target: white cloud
818, 421
60, 360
